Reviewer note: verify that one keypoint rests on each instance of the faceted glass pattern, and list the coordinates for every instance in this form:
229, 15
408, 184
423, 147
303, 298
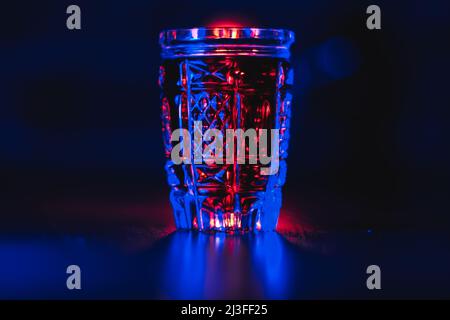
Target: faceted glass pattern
225, 92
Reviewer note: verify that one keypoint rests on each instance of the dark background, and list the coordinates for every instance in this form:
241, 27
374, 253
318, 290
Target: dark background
80, 122
80, 140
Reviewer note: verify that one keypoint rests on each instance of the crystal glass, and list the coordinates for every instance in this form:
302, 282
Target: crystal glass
225, 79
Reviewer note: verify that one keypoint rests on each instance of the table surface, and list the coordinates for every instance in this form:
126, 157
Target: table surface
192, 265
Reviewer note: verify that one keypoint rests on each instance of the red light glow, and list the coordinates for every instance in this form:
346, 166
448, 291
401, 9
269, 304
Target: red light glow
235, 21
225, 23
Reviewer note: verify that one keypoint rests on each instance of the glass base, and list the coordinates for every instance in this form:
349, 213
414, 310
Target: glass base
213, 210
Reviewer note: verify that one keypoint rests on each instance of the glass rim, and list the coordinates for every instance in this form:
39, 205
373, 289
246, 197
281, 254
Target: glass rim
210, 33
204, 40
